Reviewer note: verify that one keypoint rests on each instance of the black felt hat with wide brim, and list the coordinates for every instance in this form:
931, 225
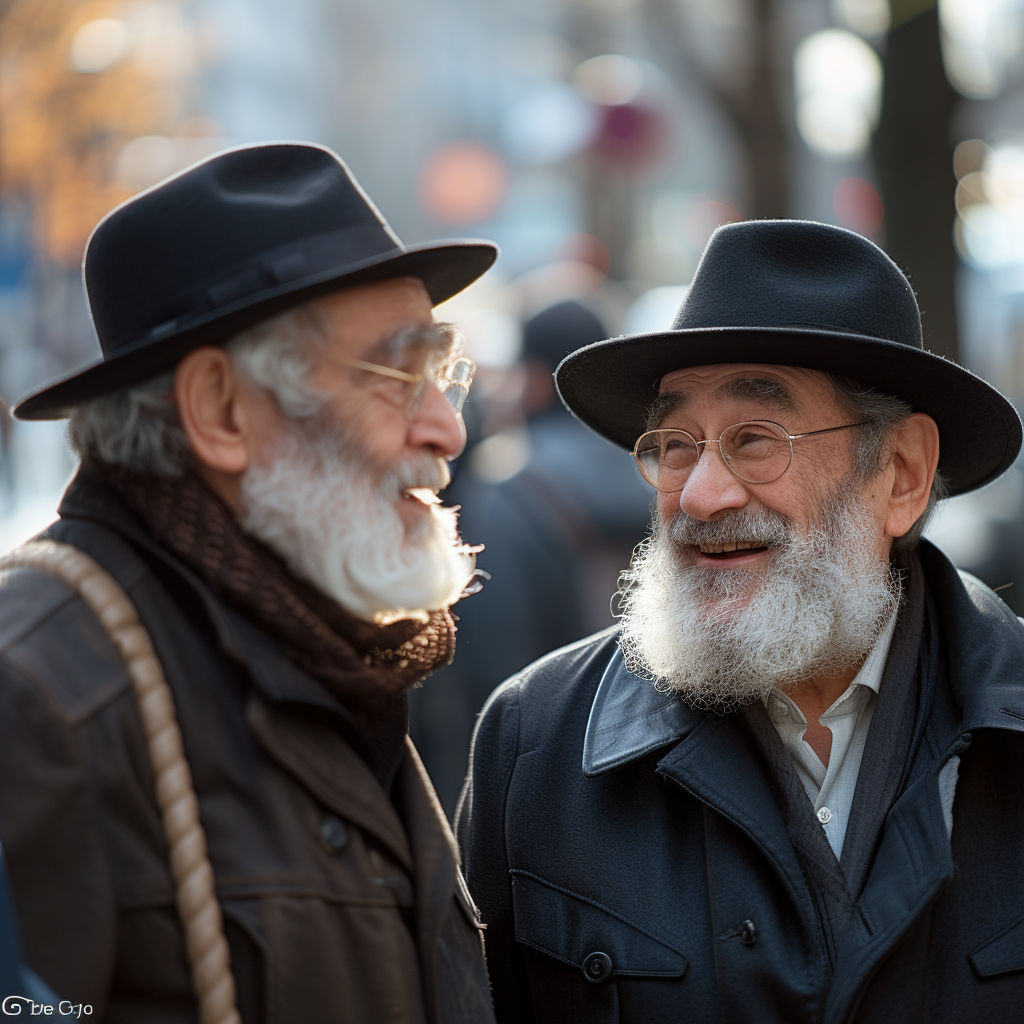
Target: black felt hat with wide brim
797, 293
226, 243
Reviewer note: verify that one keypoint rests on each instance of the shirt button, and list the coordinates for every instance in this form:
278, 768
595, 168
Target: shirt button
780, 707
824, 815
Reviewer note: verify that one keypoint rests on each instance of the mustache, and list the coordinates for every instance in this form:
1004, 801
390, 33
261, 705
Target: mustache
762, 527
326, 440
425, 472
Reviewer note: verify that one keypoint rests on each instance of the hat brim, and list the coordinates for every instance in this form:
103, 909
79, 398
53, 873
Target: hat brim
445, 269
611, 384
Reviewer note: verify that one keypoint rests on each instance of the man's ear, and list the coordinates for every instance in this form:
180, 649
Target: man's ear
914, 460
212, 412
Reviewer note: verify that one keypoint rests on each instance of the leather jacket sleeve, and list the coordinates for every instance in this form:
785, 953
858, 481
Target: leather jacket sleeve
64, 895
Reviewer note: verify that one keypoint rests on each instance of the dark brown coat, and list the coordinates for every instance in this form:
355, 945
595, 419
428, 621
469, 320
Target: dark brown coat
340, 904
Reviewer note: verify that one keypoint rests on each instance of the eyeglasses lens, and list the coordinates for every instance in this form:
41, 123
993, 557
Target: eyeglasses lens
758, 452
455, 381
666, 458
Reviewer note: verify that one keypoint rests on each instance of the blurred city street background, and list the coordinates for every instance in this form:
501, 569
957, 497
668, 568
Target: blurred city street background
600, 142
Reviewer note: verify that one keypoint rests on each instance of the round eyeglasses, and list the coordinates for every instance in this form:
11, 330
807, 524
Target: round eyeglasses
419, 355
453, 379
756, 451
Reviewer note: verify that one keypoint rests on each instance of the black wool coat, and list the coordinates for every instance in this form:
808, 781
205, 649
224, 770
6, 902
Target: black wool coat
638, 870
342, 903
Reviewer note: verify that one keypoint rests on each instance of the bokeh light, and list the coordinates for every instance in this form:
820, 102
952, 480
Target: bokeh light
551, 123
630, 135
462, 183
838, 82
858, 206
655, 310
705, 216
990, 204
96, 103
99, 45
609, 80
868, 17
981, 40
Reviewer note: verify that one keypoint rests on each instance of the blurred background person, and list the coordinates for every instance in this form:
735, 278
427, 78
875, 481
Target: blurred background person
600, 142
556, 535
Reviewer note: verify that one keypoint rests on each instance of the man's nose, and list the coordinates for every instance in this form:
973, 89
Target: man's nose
436, 426
711, 487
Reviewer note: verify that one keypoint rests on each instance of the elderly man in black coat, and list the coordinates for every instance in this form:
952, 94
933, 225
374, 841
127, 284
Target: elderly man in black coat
262, 445
787, 788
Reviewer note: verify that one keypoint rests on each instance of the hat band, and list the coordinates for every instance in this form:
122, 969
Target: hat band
308, 257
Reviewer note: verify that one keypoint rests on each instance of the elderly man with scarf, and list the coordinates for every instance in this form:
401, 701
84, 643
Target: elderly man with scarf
788, 787
261, 448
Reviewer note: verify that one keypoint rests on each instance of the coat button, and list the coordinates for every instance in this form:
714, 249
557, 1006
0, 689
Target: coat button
597, 967
824, 815
748, 933
334, 832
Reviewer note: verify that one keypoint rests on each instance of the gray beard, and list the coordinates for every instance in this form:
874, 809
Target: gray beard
724, 637
336, 525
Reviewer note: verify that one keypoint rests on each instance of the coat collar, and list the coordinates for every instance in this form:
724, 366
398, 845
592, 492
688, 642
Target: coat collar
983, 640
984, 644
89, 497
630, 718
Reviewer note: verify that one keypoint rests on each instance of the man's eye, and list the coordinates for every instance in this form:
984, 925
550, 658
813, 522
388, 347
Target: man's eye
677, 444
753, 437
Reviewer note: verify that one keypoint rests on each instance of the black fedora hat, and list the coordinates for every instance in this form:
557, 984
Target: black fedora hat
228, 242
797, 293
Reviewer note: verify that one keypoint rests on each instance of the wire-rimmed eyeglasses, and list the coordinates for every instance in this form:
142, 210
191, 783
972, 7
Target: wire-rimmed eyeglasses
756, 451
436, 349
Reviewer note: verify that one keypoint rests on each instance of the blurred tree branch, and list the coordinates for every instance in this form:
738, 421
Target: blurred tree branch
749, 98
61, 129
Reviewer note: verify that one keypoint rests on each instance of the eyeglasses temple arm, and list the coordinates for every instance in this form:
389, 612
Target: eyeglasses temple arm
828, 430
384, 371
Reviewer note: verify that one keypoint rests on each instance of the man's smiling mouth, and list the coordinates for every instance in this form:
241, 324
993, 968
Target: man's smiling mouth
732, 547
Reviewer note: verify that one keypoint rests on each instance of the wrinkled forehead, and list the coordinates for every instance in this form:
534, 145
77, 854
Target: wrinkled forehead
783, 388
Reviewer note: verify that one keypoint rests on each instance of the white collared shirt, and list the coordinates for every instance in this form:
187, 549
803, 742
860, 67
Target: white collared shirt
849, 718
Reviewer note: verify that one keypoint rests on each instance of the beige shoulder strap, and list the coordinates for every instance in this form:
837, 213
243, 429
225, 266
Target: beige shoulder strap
193, 874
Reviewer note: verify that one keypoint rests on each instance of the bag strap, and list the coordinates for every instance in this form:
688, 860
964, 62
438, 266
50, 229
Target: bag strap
190, 866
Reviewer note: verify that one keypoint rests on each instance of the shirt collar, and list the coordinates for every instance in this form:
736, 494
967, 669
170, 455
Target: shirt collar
870, 674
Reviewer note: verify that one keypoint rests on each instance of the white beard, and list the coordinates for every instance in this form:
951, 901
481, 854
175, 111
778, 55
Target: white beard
337, 525
724, 637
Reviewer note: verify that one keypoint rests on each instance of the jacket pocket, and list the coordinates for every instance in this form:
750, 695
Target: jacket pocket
1002, 954
580, 932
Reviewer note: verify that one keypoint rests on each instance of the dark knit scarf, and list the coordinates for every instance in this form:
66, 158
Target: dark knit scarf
903, 697
369, 668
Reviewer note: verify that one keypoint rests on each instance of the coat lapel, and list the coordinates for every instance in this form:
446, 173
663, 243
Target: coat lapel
714, 759
984, 648
719, 764
913, 864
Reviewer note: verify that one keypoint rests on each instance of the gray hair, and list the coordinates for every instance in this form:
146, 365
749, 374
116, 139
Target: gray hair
138, 428
881, 414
